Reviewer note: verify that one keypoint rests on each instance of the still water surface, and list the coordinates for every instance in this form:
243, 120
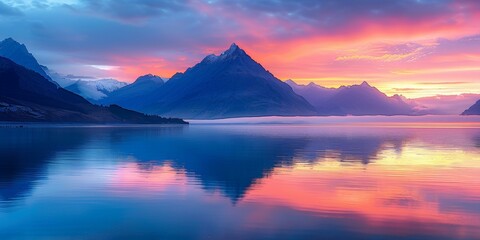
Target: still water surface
240, 182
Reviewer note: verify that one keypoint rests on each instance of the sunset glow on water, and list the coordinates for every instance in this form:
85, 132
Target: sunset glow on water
247, 181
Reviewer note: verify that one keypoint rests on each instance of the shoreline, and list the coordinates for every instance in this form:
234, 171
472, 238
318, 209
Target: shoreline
427, 121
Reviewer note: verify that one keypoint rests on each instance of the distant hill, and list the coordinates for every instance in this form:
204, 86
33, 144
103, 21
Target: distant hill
360, 99
132, 95
95, 90
445, 104
19, 54
313, 93
27, 96
473, 110
229, 85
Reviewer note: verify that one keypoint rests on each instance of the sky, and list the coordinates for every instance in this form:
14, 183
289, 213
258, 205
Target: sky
416, 48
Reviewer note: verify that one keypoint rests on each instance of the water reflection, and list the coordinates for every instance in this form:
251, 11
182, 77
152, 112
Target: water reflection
231, 160
24, 155
268, 181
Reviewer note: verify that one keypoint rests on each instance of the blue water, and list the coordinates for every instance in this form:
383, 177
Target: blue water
266, 181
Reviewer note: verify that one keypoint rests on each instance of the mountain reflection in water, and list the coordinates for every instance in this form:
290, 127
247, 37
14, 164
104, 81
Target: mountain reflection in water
245, 181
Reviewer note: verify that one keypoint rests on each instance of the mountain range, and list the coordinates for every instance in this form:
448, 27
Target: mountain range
234, 85
231, 84
360, 99
92, 90
26, 95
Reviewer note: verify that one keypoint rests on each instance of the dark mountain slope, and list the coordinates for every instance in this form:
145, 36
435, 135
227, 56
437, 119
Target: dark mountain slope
473, 110
27, 96
129, 95
19, 54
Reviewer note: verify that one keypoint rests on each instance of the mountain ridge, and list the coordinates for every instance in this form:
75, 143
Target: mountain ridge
361, 99
125, 96
231, 84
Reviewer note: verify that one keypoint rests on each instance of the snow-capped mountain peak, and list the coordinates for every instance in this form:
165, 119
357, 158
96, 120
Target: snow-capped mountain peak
233, 51
234, 47
150, 78
95, 90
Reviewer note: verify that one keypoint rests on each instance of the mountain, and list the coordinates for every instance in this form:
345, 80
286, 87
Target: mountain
128, 96
229, 85
360, 99
473, 110
94, 90
27, 96
19, 54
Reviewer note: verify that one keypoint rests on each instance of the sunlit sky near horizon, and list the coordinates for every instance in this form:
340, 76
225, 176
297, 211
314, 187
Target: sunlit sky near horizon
410, 47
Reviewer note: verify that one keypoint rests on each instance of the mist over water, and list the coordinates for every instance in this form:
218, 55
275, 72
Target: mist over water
241, 181
379, 121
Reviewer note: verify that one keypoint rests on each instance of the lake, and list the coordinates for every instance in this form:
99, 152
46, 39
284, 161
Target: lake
241, 181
